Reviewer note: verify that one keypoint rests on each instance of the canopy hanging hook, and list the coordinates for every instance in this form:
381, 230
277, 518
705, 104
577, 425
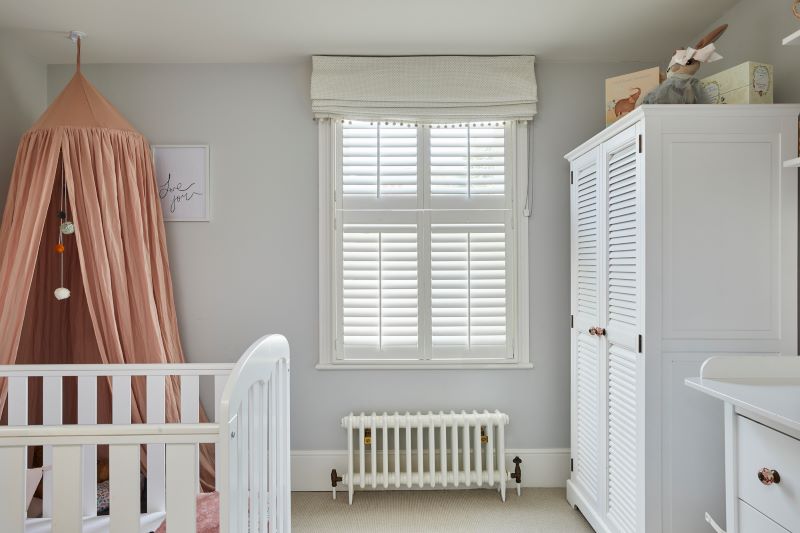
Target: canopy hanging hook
77, 37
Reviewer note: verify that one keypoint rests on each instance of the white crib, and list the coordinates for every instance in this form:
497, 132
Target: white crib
249, 428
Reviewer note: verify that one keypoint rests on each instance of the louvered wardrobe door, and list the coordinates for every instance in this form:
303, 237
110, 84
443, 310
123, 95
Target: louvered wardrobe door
624, 365
586, 377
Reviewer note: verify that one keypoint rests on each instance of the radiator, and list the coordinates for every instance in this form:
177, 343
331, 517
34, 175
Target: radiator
433, 450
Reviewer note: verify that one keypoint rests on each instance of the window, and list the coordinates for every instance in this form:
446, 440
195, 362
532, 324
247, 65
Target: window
423, 244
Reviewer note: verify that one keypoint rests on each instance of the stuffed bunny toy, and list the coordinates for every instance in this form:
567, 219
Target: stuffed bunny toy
681, 86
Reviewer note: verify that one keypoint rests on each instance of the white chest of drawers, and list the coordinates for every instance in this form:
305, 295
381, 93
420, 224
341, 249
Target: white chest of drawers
762, 440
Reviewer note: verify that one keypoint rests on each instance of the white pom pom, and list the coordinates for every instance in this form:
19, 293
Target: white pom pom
61, 293
67, 228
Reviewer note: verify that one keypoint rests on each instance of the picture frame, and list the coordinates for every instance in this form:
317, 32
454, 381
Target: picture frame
183, 181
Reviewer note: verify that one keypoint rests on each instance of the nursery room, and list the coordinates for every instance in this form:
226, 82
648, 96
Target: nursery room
440, 267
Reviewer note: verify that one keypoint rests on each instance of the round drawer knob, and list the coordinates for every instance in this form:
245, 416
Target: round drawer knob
767, 476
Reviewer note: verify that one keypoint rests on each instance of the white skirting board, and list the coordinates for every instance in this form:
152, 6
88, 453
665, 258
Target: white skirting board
541, 467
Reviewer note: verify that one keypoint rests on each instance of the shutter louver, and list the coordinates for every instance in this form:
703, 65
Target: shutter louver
468, 288
587, 401
622, 239
378, 159
468, 160
587, 243
380, 288
622, 438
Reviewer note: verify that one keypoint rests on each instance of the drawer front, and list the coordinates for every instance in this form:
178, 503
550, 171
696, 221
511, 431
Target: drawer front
761, 447
751, 521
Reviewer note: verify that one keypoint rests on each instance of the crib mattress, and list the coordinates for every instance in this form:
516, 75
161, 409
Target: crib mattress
97, 524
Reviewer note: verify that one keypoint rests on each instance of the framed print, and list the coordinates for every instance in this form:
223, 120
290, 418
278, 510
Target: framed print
182, 176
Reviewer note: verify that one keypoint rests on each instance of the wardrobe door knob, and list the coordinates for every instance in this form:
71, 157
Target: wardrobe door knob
767, 476
592, 331
599, 331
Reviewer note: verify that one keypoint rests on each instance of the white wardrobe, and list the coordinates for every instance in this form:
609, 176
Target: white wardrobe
684, 245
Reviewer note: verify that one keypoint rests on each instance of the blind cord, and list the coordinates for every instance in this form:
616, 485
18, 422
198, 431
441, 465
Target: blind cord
528, 210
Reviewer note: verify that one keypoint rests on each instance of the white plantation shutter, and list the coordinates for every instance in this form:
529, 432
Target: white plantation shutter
468, 161
378, 160
379, 289
468, 288
424, 259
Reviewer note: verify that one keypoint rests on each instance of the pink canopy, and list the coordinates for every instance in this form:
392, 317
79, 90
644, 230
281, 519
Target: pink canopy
122, 308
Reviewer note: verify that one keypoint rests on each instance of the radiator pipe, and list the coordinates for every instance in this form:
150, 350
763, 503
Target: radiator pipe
517, 475
335, 480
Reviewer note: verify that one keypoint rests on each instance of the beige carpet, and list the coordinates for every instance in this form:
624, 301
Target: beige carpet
457, 511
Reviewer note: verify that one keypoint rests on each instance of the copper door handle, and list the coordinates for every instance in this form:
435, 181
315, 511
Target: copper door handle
597, 330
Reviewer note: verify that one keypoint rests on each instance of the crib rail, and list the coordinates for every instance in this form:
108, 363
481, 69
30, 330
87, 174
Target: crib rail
254, 437
120, 377
249, 430
67, 443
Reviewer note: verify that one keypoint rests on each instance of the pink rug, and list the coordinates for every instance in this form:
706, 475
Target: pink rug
207, 514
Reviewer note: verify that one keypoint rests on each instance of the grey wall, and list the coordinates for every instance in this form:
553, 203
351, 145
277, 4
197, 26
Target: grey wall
23, 97
253, 269
755, 31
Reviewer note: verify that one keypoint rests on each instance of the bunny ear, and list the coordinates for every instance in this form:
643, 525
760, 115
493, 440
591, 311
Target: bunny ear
715, 34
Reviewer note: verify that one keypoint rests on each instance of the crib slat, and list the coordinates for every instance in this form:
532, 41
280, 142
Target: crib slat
272, 446
262, 459
156, 484
18, 401
190, 407
253, 460
244, 465
87, 415
51, 416
219, 387
190, 399
466, 453
234, 497
284, 488
67, 511
123, 462
12, 504
181, 483
121, 400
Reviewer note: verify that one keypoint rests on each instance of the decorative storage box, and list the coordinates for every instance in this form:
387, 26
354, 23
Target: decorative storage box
748, 83
624, 93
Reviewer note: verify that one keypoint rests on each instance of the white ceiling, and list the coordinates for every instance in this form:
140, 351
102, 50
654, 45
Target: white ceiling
269, 30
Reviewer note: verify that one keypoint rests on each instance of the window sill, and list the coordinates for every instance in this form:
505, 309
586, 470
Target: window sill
417, 365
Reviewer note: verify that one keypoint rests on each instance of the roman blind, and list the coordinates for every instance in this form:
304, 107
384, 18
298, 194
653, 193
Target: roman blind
432, 89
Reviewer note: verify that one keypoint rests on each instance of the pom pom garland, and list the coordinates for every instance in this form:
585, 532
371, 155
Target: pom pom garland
59, 248
67, 228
